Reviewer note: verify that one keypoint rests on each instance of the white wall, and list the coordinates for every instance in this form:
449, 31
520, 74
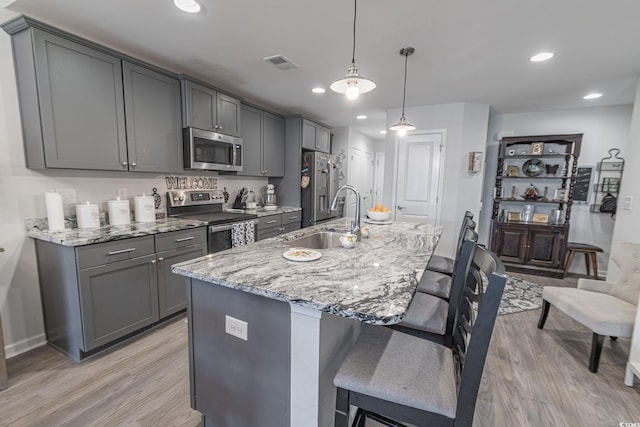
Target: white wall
465, 127
627, 228
603, 128
22, 191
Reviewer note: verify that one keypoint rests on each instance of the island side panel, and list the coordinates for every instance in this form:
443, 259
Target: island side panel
237, 382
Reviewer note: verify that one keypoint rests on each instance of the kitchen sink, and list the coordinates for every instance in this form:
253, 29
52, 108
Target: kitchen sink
320, 240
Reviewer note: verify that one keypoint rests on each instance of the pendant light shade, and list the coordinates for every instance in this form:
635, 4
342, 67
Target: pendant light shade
353, 84
402, 126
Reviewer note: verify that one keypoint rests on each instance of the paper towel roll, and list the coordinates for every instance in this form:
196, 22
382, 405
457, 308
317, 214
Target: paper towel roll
88, 216
119, 213
144, 208
55, 213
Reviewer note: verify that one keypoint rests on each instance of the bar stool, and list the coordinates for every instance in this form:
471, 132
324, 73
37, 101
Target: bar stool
589, 251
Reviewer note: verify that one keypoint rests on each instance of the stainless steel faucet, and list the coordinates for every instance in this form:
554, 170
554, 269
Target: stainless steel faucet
355, 225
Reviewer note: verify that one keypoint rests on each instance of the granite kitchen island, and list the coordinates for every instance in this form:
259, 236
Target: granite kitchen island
266, 335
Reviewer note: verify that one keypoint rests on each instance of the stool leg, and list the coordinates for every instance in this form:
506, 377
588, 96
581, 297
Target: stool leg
586, 263
594, 258
568, 263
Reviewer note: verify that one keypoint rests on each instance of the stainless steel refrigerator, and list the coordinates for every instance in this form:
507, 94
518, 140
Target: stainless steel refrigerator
319, 178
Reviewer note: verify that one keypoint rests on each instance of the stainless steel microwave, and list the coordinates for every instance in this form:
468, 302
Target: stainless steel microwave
213, 151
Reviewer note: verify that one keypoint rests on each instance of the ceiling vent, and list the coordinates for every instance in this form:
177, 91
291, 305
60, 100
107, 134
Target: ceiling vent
281, 62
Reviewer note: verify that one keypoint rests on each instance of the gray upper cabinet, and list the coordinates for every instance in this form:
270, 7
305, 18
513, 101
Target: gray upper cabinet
206, 108
72, 107
315, 137
84, 107
153, 118
263, 139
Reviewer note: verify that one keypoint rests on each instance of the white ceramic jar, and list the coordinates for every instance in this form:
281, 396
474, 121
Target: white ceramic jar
88, 215
119, 213
144, 208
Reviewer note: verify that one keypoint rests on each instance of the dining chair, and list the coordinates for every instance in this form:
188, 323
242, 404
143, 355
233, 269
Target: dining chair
439, 284
401, 378
442, 264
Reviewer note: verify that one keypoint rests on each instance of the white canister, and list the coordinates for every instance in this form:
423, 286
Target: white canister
88, 216
119, 213
144, 208
55, 213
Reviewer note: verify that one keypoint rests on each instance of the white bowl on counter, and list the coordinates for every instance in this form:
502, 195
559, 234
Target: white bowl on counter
379, 216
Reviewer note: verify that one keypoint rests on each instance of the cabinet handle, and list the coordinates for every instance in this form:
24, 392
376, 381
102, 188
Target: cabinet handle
133, 165
219, 127
153, 261
122, 251
273, 221
160, 259
184, 239
124, 163
293, 217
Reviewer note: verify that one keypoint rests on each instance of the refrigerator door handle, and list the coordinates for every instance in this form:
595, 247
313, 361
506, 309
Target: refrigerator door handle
330, 188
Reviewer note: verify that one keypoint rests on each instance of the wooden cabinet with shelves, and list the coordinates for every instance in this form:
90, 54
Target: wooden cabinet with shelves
531, 209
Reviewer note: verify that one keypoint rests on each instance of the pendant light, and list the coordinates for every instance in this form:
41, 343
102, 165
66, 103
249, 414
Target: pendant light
353, 84
403, 126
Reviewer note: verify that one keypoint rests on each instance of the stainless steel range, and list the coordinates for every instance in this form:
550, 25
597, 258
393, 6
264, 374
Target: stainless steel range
207, 206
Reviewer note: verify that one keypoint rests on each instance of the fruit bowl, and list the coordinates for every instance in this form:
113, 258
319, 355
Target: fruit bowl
379, 216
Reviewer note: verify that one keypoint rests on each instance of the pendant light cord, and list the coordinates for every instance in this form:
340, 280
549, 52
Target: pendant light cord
355, 13
404, 90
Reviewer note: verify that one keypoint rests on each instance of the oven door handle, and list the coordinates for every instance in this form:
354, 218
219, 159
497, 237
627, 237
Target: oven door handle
216, 228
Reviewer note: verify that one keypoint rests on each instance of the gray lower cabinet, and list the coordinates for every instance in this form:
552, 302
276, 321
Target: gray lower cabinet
85, 107
96, 294
206, 108
263, 139
275, 225
315, 136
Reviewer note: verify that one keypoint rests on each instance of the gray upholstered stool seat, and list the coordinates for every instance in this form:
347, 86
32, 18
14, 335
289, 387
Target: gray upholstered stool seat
377, 367
433, 283
603, 314
441, 264
426, 313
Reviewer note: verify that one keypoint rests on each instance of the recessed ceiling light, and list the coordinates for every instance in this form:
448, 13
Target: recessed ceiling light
594, 95
190, 6
383, 132
318, 90
542, 56
361, 117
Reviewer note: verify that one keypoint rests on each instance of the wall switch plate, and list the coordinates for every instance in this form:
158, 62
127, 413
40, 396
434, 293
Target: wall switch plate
122, 193
236, 327
69, 195
627, 203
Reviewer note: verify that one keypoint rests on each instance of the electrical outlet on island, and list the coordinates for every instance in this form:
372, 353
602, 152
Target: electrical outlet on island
236, 327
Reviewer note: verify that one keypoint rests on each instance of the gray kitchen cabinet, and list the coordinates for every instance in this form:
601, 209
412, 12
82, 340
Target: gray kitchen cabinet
95, 295
263, 139
153, 120
208, 109
84, 106
275, 225
315, 137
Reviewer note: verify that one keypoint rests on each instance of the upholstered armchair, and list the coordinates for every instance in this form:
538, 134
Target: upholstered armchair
608, 309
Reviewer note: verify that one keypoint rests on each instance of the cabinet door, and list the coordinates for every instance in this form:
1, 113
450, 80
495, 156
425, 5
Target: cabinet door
308, 135
273, 145
323, 139
200, 105
544, 248
154, 131
252, 142
117, 299
512, 244
81, 105
228, 109
172, 288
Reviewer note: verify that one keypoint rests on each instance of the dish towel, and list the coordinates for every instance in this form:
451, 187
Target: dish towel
242, 234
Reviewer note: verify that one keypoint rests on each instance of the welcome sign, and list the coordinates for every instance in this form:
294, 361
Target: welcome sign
191, 183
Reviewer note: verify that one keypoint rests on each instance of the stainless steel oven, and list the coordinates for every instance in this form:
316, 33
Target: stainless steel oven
219, 238
211, 151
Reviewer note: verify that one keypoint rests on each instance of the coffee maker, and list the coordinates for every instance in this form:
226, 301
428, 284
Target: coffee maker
269, 200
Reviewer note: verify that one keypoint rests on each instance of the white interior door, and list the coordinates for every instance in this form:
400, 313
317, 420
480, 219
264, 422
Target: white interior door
355, 179
378, 178
419, 177
367, 182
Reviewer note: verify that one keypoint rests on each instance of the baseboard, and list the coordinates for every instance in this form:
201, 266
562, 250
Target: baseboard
25, 345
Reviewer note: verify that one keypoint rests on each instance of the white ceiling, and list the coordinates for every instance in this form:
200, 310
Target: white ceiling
466, 51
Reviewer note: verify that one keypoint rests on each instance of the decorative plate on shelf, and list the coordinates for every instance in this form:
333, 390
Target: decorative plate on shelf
301, 254
533, 167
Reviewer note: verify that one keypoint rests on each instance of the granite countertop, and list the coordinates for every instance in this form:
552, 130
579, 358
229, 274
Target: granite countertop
263, 212
373, 282
71, 236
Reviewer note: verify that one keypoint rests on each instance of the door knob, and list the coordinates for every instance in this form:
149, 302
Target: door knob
401, 208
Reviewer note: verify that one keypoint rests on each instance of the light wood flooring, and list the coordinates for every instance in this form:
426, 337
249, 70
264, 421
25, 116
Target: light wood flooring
531, 378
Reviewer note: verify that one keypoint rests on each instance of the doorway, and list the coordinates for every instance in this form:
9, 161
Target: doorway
378, 181
419, 177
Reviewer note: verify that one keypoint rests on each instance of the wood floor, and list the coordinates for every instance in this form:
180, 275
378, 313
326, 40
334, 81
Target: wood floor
531, 378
